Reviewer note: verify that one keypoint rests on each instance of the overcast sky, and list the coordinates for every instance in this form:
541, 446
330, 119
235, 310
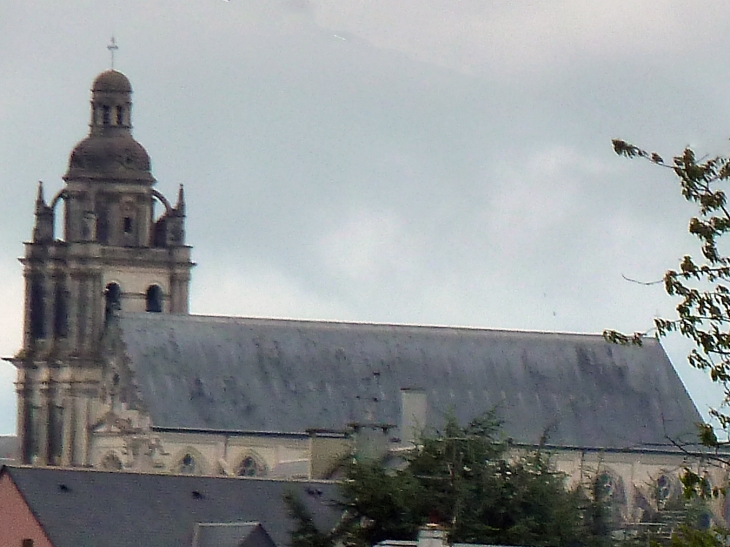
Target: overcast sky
412, 161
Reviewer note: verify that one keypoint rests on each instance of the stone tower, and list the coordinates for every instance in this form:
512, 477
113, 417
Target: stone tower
113, 254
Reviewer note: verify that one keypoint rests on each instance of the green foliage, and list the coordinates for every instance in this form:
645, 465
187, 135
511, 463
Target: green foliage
688, 536
305, 533
465, 479
702, 283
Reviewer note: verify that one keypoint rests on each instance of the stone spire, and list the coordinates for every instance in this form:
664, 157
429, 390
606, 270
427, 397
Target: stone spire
43, 229
180, 206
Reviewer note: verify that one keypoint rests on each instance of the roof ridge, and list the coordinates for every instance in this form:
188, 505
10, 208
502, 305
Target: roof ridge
9, 468
336, 322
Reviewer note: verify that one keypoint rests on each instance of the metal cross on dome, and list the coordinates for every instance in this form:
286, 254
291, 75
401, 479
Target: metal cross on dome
112, 47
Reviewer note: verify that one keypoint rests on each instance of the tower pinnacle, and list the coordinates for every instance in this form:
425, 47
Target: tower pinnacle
180, 206
40, 200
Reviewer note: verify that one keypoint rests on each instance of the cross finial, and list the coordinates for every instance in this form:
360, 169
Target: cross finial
112, 47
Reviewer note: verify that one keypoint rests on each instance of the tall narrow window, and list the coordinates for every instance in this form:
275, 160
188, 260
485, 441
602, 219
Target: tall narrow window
106, 114
37, 309
120, 115
102, 224
113, 299
55, 434
30, 432
127, 225
60, 318
154, 299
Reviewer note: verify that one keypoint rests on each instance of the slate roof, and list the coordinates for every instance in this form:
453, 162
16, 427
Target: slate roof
233, 534
80, 508
234, 373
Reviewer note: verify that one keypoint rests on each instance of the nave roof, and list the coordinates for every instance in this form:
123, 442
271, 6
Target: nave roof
274, 375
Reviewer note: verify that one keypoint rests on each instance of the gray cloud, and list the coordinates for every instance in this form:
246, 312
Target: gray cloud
446, 163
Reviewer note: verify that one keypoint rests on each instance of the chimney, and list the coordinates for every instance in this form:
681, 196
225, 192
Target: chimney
414, 407
371, 440
432, 535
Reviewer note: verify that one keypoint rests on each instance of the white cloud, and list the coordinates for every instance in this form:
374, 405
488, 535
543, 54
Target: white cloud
508, 37
369, 246
258, 290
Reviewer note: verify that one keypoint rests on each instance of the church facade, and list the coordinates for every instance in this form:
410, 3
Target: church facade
116, 374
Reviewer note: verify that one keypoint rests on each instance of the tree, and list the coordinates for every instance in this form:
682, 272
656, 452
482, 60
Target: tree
465, 479
701, 283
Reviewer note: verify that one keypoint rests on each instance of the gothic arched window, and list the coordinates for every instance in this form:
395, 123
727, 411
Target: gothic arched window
605, 486
191, 463
609, 490
154, 299
188, 465
664, 490
251, 467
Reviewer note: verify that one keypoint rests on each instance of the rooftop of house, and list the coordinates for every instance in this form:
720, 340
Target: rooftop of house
117, 509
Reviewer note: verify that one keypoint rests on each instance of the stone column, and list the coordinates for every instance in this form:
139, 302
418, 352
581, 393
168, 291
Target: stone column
48, 307
83, 427
96, 318
69, 402
42, 423
85, 313
27, 339
179, 292
21, 390
89, 320
144, 219
73, 311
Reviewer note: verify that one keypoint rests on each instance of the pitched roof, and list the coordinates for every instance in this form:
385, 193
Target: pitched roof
288, 375
79, 508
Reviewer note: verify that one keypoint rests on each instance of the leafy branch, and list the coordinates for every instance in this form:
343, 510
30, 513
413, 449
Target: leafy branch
702, 283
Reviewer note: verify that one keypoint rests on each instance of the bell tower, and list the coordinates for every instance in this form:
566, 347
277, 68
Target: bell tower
114, 254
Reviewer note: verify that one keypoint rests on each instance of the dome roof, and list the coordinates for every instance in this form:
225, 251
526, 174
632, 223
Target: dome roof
112, 158
112, 81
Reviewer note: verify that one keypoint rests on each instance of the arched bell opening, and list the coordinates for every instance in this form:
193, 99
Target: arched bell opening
112, 300
59, 220
153, 299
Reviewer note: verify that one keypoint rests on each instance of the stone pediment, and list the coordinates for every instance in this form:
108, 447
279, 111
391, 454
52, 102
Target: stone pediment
113, 423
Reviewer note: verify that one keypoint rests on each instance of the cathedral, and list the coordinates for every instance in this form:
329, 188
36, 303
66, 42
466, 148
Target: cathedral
116, 374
